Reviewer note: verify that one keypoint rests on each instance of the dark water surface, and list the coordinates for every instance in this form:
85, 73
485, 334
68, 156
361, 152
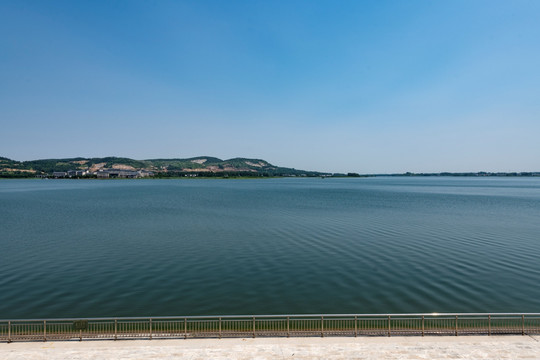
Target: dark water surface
78, 248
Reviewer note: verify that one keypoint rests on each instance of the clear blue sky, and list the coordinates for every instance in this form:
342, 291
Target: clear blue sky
366, 86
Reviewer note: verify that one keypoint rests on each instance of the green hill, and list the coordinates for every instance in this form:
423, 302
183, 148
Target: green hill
207, 166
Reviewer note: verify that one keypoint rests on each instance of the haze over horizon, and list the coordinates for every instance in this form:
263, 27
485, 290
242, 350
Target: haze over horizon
363, 86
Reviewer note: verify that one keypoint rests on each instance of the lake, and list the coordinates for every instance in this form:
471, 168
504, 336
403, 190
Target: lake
88, 248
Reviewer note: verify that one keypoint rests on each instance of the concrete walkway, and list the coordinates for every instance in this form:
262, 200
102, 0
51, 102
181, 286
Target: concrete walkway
463, 347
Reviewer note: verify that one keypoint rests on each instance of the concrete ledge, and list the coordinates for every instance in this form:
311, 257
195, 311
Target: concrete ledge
447, 347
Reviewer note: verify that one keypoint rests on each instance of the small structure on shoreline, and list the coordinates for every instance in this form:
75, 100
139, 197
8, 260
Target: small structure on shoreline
124, 174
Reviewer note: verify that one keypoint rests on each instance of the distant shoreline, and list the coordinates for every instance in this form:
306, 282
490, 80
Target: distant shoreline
196, 167
234, 177
118, 167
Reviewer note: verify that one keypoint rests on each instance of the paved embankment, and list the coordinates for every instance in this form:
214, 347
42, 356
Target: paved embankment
464, 347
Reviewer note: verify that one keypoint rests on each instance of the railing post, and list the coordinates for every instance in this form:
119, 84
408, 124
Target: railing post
150, 328
185, 328
388, 325
254, 327
456, 324
9, 332
355, 325
115, 329
522, 324
288, 328
422, 325
489, 325
220, 328
322, 326
44, 330
80, 334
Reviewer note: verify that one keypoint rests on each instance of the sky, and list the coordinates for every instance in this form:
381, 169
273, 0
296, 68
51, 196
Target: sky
339, 86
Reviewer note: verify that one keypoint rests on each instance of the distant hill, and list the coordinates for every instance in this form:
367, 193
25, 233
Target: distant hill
206, 166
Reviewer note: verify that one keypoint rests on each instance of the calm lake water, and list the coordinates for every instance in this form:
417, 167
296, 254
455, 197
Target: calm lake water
80, 248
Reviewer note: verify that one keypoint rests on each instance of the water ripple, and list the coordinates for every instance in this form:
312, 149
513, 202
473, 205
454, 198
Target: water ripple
273, 246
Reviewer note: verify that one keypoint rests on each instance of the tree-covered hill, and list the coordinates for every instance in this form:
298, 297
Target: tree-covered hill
197, 166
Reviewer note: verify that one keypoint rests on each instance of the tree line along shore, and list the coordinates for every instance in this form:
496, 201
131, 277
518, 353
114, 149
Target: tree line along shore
196, 167
116, 167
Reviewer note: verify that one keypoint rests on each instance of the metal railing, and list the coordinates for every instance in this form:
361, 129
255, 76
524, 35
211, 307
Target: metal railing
185, 327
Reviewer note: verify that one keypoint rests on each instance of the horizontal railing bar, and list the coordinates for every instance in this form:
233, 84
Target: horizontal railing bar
297, 316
